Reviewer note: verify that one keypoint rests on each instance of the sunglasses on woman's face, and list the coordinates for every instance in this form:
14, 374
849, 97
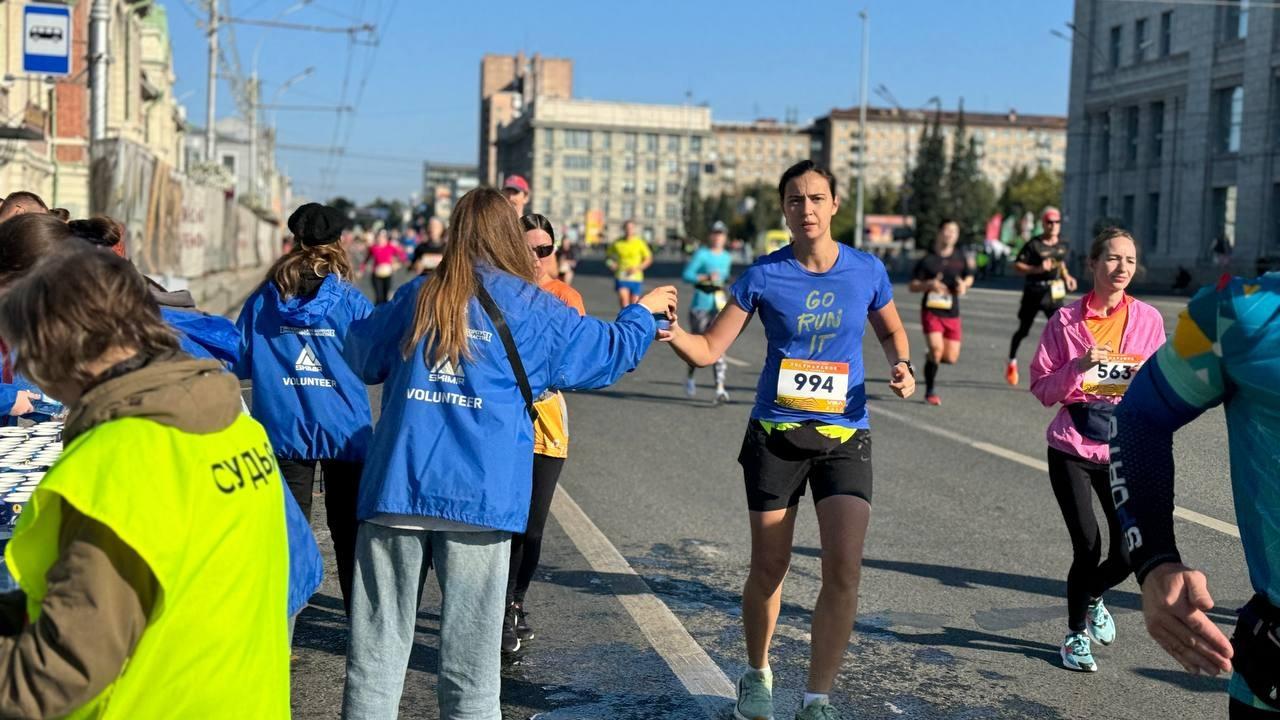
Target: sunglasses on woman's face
543, 251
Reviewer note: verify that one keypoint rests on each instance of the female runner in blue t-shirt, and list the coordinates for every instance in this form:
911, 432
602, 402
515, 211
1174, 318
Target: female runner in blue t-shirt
809, 424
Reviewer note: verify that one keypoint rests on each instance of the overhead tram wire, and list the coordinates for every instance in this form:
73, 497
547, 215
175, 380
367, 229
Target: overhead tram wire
371, 61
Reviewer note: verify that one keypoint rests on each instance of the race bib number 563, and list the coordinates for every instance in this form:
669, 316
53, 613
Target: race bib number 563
1112, 377
813, 386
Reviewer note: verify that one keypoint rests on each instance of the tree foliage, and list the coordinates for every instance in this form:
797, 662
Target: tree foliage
1025, 191
928, 177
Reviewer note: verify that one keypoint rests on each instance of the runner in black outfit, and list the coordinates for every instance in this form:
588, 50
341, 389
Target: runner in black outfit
1043, 262
942, 276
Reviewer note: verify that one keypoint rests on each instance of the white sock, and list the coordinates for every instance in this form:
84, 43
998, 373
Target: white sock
765, 672
811, 698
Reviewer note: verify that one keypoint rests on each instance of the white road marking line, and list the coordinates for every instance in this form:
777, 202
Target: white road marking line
1212, 523
699, 674
736, 362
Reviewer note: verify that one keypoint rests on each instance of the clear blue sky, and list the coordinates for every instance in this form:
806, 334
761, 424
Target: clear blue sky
418, 91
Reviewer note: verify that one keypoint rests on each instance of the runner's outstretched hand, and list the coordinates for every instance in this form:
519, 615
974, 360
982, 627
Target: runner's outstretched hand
1174, 601
903, 383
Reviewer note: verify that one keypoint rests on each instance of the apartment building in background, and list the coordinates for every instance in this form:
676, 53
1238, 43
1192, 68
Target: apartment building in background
444, 183
1175, 132
508, 84
742, 154
624, 160
1005, 141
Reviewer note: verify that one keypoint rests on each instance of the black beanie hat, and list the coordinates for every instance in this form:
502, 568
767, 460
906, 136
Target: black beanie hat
316, 224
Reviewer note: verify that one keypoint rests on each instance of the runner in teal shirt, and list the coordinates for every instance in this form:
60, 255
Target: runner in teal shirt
1226, 350
708, 272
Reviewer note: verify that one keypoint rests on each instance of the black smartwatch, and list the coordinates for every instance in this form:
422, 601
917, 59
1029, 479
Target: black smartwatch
910, 368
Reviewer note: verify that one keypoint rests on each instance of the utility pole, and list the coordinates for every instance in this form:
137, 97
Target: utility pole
99, 19
254, 172
862, 132
211, 96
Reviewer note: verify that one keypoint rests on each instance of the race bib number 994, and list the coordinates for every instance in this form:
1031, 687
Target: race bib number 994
813, 386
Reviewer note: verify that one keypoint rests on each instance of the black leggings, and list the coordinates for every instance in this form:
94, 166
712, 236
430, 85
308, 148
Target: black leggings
381, 289
341, 488
1240, 711
526, 547
1075, 481
1034, 301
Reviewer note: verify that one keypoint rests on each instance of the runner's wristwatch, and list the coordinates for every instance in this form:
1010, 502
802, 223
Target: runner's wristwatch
910, 368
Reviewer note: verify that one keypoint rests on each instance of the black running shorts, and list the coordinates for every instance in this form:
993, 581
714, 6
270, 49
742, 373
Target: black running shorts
776, 473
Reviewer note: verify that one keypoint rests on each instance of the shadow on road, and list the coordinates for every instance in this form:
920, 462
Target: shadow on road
1186, 681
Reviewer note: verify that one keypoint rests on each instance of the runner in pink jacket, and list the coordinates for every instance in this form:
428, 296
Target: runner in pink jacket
1089, 352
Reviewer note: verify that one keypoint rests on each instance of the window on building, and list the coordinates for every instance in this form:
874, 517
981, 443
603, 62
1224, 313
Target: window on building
673, 165
651, 165
579, 207
546, 184
604, 140
673, 211
650, 210
1166, 33
1157, 132
1103, 209
549, 137
673, 143
695, 144
1152, 238
548, 160
1230, 114
651, 142
1117, 38
673, 188
629, 163
650, 187
1131, 137
628, 209
578, 139
577, 162
577, 184
606, 163
628, 187
1104, 141
1127, 208
695, 169
1233, 18
628, 141
1224, 215
648, 234
1140, 40
229, 162
546, 206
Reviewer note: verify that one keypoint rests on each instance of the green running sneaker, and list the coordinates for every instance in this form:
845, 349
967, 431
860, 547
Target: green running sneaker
1099, 623
1076, 654
818, 710
755, 696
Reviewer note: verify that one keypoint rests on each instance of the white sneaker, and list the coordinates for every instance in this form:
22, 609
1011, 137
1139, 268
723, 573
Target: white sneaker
722, 397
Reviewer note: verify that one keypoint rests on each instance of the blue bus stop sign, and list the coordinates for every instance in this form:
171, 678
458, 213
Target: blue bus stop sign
46, 39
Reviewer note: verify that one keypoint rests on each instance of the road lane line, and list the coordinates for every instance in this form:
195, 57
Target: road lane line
699, 674
1212, 523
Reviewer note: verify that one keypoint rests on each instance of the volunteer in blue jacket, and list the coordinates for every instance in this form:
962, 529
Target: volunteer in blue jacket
448, 474
316, 411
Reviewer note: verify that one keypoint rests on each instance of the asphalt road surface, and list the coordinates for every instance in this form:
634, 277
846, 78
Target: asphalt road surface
962, 600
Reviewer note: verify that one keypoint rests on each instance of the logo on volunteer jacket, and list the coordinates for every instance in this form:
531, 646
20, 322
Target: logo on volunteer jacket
446, 371
307, 361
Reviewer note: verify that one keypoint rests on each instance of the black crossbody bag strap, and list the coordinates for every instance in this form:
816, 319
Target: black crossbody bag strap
513, 355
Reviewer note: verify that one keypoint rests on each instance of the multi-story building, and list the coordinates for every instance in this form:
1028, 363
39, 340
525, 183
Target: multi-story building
1175, 131
508, 83
748, 153
444, 183
232, 148
626, 160
47, 151
1005, 141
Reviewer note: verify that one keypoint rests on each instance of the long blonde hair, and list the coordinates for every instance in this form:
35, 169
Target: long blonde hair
288, 271
483, 230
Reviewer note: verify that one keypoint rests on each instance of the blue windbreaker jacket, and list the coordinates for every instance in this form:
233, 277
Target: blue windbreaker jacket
456, 442
204, 336
311, 403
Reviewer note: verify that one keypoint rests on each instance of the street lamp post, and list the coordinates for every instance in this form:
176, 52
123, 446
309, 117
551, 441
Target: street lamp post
862, 131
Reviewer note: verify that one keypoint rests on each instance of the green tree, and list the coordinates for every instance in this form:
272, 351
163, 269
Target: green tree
696, 222
926, 182
883, 198
970, 196
1028, 192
